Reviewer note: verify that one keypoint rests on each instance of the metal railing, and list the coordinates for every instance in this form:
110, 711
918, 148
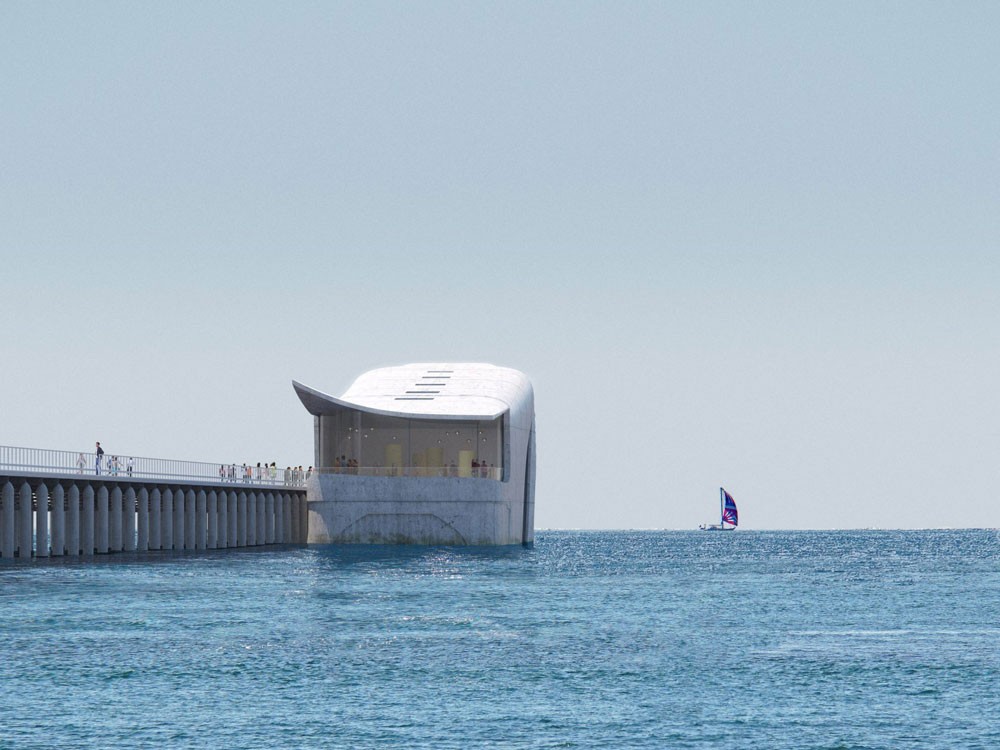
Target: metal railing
476, 472
117, 466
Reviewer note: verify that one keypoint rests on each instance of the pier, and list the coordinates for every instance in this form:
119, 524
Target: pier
64, 503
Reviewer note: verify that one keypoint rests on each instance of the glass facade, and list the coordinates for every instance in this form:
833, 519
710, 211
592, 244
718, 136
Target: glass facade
372, 444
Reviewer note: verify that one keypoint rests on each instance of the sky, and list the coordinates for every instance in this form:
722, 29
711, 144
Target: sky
754, 245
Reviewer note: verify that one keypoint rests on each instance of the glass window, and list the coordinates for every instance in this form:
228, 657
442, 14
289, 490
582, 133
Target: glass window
395, 446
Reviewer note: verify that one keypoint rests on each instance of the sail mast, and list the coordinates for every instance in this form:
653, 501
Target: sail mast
722, 507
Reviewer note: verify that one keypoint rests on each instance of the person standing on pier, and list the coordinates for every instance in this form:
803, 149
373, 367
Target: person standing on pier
98, 456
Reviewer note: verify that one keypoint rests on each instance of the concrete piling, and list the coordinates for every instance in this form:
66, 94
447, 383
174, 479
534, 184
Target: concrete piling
201, 520
251, 519
167, 519
269, 518
73, 521
42, 521
58, 541
7, 521
101, 527
142, 520
223, 539
279, 518
24, 535
155, 519
190, 511
288, 519
129, 540
179, 519
87, 521
262, 518
116, 520
241, 520
212, 530
304, 519
233, 520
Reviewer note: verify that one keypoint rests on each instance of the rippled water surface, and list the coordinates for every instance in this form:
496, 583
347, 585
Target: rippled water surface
590, 639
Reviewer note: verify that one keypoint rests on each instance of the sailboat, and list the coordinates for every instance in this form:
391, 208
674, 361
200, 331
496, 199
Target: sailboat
727, 513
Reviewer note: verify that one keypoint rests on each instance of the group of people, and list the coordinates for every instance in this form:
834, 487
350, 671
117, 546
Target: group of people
482, 470
294, 476
113, 467
345, 465
479, 470
267, 473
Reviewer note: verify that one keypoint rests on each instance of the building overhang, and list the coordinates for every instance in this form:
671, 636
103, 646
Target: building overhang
433, 391
321, 404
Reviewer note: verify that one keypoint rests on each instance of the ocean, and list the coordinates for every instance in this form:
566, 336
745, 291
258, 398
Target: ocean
617, 639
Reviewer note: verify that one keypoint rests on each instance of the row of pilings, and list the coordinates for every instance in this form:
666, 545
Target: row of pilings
77, 517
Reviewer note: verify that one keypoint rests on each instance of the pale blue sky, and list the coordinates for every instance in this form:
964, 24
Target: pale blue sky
750, 244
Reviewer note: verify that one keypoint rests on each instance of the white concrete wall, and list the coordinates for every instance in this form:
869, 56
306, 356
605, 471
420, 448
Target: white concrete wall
345, 509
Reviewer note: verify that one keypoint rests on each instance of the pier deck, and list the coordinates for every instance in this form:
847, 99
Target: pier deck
52, 503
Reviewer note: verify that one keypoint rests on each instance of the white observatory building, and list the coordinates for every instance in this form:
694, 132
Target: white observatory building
424, 454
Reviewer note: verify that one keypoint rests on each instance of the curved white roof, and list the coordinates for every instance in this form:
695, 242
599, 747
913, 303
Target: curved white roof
429, 390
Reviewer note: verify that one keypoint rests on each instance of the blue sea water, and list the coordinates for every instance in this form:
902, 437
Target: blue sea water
867, 639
